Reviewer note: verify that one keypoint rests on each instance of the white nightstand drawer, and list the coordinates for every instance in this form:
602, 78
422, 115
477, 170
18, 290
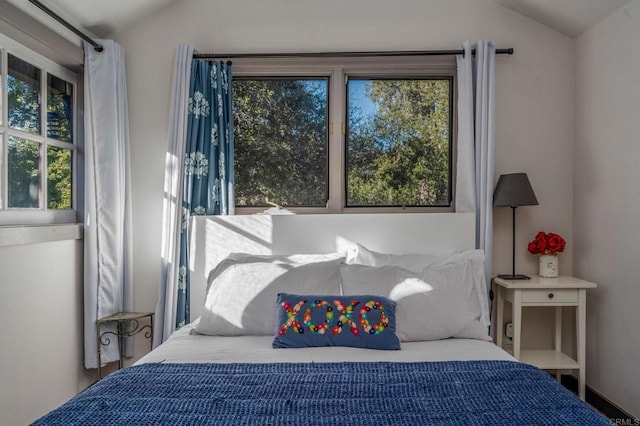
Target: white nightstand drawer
550, 296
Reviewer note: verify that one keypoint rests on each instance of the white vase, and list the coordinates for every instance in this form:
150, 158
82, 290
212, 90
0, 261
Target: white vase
548, 266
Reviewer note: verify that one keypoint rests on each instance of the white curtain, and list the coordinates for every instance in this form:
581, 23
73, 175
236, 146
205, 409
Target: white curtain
476, 141
172, 207
108, 286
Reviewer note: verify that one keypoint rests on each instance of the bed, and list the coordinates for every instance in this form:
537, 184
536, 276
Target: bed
283, 339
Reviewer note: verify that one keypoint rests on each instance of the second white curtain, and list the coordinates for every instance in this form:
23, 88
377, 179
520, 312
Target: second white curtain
476, 141
173, 194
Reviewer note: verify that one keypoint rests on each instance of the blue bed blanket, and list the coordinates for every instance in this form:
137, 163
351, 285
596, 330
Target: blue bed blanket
426, 393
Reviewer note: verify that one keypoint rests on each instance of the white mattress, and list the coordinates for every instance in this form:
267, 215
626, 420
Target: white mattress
185, 347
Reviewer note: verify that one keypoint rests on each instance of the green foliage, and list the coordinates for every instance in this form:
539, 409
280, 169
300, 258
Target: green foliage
280, 142
24, 108
58, 178
399, 155
24, 173
24, 156
59, 115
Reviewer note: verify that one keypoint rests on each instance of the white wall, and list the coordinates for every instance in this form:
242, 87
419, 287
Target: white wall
535, 94
607, 201
41, 355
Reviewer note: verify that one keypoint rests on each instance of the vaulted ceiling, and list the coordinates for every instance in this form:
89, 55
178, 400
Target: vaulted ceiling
103, 18
570, 17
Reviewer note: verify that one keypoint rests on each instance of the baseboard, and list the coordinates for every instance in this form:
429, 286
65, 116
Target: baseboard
599, 402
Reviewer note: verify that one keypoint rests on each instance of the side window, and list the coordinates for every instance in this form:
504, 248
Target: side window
37, 167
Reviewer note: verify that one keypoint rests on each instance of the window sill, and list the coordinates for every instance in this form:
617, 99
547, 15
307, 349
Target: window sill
19, 235
348, 210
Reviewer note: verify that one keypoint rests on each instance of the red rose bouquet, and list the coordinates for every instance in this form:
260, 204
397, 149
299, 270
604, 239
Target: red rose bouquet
545, 243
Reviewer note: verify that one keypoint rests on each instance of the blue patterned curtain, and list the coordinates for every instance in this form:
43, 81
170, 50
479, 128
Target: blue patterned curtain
208, 164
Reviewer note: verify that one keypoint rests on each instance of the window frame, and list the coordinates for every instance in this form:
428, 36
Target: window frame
396, 77
339, 70
328, 126
42, 215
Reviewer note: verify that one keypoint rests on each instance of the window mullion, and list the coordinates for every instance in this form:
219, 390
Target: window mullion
60, 144
4, 69
43, 133
336, 141
43, 176
25, 135
4, 173
76, 139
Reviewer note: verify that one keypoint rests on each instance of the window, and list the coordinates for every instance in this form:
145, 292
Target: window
397, 142
38, 142
391, 150
281, 140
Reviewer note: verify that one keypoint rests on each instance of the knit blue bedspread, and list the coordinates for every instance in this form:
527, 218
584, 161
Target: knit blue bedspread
425, 393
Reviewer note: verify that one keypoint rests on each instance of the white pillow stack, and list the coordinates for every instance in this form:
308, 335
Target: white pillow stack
438, 295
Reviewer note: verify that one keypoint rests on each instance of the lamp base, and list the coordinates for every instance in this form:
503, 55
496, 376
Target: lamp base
514, 277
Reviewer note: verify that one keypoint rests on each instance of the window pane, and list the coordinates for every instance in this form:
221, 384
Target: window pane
398, 142
24, 173
23, 91
58, 178
59, 109
281, 141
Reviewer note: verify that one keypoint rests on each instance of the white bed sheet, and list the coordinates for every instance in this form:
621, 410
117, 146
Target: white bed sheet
184, 347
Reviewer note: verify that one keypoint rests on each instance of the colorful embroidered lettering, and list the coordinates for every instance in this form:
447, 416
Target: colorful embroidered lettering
364, 322
321, 327
292, 320
345, 318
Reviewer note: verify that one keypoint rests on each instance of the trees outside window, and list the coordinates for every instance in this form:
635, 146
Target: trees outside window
281, 141
398, 142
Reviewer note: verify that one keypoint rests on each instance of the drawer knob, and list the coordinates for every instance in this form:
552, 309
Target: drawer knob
550, 295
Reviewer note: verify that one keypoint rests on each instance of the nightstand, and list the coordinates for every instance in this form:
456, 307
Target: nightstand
127, 325
554, 292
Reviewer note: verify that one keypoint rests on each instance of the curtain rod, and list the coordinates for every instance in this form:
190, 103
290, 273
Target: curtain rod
508, 51
67, 25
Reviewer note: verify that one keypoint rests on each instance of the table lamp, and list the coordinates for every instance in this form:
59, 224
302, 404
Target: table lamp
514, 190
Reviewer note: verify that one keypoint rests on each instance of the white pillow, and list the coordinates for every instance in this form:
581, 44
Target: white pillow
234, 258
356, 253
241, 298
438, 303
287, 258
476, 257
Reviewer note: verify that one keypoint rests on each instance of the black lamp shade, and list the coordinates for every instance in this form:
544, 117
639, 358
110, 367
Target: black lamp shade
514, 190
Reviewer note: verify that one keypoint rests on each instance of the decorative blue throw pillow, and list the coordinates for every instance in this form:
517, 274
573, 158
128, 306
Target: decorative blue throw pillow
357, 321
